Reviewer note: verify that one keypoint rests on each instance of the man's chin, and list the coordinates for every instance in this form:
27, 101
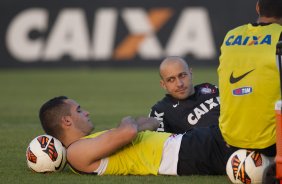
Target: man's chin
182, 96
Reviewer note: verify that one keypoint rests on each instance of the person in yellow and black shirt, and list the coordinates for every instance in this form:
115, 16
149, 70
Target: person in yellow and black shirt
249, 81
133, 148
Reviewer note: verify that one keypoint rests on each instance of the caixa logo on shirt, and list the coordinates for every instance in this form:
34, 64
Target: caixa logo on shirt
201, 110
242, 91
248, 40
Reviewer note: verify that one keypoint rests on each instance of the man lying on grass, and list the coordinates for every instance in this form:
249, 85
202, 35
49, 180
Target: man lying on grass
133, 147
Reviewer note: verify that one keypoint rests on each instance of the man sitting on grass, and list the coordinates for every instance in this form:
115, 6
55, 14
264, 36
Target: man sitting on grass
185, 106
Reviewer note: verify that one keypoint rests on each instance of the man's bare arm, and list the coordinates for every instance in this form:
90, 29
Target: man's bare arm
85, 154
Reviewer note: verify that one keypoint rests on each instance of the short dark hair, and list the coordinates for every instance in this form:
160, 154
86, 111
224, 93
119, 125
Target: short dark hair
50, 114
270, 8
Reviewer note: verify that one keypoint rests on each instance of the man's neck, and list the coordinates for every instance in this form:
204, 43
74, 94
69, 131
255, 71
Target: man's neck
69, 139
269, 20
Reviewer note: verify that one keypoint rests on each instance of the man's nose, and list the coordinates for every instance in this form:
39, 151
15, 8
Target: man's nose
86, 113
179, 82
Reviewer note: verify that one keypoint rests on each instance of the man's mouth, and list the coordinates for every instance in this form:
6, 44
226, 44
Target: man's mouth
182, 90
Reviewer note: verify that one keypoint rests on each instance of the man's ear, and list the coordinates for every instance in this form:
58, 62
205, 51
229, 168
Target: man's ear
162, 84
257, 8
66, 121
190, 70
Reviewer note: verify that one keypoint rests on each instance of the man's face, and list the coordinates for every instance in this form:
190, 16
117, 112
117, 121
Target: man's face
177, 80
80, 117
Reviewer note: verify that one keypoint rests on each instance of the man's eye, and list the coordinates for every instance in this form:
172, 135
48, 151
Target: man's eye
170, 80
183, 75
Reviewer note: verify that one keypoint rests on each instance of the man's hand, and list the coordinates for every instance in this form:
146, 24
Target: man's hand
147, 123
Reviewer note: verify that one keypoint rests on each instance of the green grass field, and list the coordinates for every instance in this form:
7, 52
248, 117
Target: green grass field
108, 94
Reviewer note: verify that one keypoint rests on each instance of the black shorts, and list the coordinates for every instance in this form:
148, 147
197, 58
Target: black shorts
203, 152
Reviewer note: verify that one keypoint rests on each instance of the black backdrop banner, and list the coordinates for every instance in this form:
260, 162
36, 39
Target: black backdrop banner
95, 33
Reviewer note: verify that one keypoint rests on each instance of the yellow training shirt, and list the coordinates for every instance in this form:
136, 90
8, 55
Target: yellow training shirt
249, 85
141, 157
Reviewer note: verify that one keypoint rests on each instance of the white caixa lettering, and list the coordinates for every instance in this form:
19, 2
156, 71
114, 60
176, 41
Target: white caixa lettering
201, 110
69, 34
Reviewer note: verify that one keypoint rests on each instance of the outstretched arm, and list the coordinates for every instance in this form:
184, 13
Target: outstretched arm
85, 154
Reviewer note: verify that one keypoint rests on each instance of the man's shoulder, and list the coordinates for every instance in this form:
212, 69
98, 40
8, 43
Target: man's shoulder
243, 27
235, 29
166, 101
206, 84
